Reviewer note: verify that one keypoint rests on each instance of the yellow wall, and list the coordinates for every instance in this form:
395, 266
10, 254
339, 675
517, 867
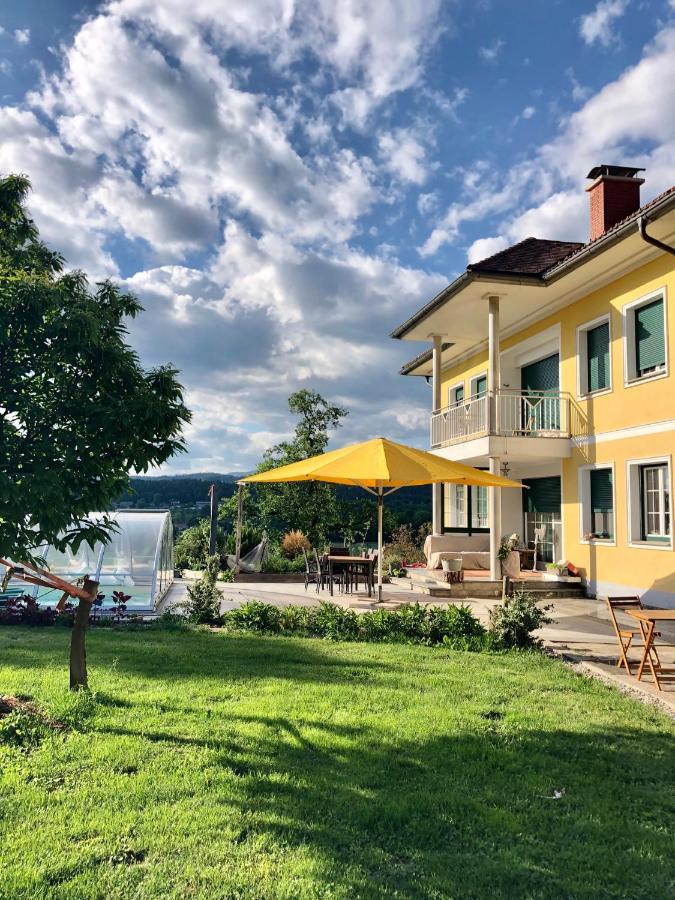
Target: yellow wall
622, 407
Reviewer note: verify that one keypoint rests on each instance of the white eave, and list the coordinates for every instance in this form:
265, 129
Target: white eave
459, 313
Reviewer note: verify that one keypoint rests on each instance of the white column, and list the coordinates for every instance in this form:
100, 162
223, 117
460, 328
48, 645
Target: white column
495, 520
494, 384
494, 372
436, 489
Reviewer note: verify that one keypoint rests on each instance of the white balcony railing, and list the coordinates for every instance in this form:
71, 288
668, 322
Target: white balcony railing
514, 413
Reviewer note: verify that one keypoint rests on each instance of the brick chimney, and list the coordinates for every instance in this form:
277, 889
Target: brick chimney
614, 194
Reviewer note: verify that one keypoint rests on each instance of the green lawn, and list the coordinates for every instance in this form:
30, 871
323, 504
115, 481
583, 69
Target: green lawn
214, 765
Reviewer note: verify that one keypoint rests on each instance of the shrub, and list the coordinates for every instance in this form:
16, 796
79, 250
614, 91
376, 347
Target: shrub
255, 616
293, 543
25, 610
192, 546
406, 544
119, 607
296, 619
250, 537
203, 603
278, 564
513, 621
455, 627
335, 623
170, 621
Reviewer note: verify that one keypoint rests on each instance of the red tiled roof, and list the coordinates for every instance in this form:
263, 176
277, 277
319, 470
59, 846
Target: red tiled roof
532, 256
621, 224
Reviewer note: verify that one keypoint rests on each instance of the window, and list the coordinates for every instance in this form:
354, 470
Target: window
645, 338
454, 506
465, 510
479, 386
602, 504
456, 395
655, 503
594, 361
597, 349
650, 344
649, 503
479, 507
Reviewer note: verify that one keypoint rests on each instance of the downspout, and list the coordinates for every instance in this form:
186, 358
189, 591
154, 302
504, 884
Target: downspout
642, 228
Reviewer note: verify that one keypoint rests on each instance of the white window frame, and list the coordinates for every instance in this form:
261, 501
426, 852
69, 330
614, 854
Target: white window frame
473, 382
451, 491
630, 375
451, 390
585, 511
634, 506
582, 358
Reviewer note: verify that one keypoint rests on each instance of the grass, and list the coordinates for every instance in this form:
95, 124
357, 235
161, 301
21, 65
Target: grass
222, 765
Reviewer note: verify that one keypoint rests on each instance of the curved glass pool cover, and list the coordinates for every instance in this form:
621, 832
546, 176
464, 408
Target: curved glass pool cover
138, 560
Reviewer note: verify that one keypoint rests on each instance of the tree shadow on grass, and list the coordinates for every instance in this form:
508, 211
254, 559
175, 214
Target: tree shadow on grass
489, 811
467, 815
184, 656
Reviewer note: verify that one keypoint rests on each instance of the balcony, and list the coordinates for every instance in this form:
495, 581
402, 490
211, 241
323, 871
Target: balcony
506, 414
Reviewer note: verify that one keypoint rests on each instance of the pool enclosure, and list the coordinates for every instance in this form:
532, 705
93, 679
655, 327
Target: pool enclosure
138, 560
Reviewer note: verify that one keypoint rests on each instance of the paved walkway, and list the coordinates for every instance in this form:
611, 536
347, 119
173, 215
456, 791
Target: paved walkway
580, 633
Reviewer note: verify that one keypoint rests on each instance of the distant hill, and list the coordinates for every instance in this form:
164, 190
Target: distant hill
188, 496
194, 476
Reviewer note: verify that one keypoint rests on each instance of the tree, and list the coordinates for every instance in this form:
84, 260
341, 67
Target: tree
311, 505
77, 410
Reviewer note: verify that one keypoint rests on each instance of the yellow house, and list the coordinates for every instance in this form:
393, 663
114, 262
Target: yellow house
550, 362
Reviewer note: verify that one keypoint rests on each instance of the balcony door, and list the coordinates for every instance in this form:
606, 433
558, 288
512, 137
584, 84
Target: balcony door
542, 510
540, 384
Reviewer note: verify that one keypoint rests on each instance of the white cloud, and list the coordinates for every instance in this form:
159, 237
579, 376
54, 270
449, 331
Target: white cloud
491, 52
267, 319
404, 155
22, 35
598, 25
628, 121
528, 112
485, 247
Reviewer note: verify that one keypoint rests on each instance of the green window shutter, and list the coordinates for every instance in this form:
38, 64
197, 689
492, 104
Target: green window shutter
601, 490
650, 345
598, 357
541, 375
542, 496
480, 386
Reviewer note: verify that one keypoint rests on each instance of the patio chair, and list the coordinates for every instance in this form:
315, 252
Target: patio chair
539, 535
312, 571
339, 578
626, 636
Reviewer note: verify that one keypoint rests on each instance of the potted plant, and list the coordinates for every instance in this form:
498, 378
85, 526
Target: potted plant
509, 557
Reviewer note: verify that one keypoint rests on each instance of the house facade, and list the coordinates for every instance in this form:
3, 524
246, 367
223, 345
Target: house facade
550, 362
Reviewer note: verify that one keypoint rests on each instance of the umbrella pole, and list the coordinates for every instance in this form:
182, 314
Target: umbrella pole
240, 514
380, 506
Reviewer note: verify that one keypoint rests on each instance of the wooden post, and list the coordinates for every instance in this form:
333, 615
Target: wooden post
78, 652
240, 512
213, 531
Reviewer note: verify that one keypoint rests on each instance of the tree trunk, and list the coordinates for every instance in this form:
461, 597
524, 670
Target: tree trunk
78, 652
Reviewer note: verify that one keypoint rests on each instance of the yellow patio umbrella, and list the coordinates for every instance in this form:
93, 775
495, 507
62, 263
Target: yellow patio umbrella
378, 464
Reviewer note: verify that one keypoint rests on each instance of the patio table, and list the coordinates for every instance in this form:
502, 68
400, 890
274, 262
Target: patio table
363, 562
647, 619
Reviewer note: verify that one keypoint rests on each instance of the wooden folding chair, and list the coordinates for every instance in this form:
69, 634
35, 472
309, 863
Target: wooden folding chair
625, 636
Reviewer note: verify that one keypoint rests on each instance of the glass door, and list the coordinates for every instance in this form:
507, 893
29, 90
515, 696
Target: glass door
542, 511
541, 386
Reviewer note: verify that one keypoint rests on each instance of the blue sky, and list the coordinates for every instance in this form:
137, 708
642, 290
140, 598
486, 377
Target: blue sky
283, 182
